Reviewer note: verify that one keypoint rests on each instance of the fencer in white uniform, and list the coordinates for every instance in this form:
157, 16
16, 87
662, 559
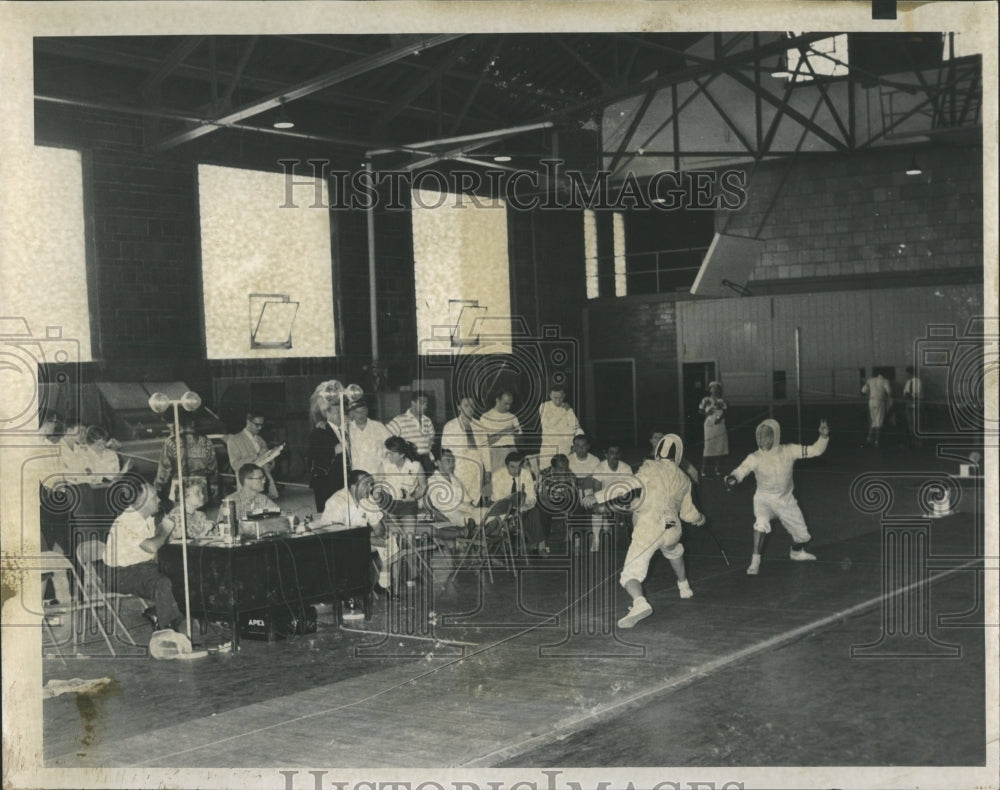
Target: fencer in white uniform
663, 501
772, 466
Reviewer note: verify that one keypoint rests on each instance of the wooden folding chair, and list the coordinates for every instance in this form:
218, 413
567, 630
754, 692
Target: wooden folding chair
492, 533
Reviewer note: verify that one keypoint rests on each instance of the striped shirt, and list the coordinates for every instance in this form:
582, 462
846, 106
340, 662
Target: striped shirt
419, 433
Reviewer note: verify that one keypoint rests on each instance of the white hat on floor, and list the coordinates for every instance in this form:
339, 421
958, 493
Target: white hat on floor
168, 643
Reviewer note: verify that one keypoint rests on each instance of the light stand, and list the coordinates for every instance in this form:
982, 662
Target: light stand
159, 403
353, 393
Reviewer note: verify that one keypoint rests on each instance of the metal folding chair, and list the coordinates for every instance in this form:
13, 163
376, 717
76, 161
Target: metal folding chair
53, 562
87, 553
492, 533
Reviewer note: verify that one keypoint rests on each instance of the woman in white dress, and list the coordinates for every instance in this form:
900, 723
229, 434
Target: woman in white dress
716, 436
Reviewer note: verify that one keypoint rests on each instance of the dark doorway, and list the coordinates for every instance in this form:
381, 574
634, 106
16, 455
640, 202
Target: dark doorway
614, 401
696, 378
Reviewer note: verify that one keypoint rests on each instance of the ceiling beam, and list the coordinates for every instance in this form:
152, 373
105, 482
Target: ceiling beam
174, 59
605, 85
422, 84
293, 92
471, 95
727, 64
791, 112
191, 71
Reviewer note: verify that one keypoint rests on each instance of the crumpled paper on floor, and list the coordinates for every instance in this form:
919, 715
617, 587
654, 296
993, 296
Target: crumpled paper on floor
56, 687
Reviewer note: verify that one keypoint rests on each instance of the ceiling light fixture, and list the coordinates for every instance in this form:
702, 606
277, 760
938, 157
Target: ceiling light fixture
283, 121
780, 70
502, 158
914, 168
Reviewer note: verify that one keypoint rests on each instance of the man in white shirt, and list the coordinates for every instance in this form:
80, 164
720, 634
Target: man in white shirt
248, 447
515, 481
130, 557
466, 439
353, 507
612, 473
365, 438
879, 393
583, 464
416, 427
447, 496
559, 425
501, 426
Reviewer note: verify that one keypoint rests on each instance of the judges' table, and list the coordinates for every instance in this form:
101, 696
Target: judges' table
284, 573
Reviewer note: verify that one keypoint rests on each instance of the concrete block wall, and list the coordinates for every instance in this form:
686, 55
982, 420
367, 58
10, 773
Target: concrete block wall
861, 215
645, 330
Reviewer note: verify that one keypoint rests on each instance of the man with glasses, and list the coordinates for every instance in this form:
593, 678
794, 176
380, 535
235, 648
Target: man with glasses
250, 497
248, 447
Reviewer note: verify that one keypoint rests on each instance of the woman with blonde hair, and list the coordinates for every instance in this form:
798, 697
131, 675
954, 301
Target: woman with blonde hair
325, 452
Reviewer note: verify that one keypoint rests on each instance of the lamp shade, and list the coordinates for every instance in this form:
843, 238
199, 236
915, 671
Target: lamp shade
159, 402
190, 401
354, 392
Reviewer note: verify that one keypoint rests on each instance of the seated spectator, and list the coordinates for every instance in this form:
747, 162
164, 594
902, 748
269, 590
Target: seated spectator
612, 472
558, 496
99, 462
72, 441
250, 497
196, 524
130, 557
400, 478
584, 464
353, 507
447, 499
514, 481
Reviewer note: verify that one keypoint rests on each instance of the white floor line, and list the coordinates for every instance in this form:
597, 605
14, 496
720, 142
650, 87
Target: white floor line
604, 712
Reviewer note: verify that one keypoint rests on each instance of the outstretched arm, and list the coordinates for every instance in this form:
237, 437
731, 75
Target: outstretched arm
820, 445
740, 472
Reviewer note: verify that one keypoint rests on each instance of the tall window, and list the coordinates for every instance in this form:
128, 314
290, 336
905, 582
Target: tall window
461, 274
47, 282
266, 269
590, 253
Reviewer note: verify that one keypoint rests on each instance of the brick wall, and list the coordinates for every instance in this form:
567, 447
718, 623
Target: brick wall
857, 220
645, 330
862, 215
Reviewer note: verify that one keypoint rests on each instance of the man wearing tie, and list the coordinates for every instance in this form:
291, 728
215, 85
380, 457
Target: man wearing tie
248, 447
514, 481
467, 441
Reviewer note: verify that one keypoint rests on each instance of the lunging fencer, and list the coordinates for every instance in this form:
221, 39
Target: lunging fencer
772, 466
663, 501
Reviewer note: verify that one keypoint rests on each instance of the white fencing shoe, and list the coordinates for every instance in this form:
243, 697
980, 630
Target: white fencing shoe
685, 589
800, 555
754, 568
640, 609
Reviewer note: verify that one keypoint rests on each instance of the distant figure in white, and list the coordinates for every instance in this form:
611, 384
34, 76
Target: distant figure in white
879, 393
